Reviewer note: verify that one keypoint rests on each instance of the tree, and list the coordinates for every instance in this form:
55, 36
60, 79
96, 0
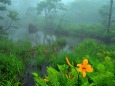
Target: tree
49, 6
2, 5
13, 15
49, 9
3, 8
109, 17
106, 15
103, 11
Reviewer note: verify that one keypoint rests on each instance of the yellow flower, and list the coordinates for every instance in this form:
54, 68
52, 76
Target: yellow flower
67, 60
84, 67
46, 80
67, 76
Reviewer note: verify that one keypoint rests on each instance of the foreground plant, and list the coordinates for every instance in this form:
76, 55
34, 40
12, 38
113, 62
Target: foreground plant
66, 75
69, 75
84, 67
68, 62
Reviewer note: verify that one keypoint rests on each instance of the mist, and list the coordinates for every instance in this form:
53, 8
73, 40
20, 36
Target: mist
39, 37
75, 13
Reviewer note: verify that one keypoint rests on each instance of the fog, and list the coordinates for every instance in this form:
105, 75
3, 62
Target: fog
76, 12
37, 36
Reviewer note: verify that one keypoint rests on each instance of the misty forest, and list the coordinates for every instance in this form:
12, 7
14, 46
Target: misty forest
57, 42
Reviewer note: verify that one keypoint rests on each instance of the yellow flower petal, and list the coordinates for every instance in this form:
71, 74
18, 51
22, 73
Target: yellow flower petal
79, 65
46, 80
85, 62
67, 60
80, 69
84, 74
89, 68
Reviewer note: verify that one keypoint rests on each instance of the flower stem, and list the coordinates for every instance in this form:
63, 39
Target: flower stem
78, 79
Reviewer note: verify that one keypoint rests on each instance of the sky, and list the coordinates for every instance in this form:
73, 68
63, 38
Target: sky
67, 1
36, 1
20, 5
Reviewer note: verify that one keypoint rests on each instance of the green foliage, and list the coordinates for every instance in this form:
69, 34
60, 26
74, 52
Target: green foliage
13, 57
55, 78
40, 81
23, 47
8, 47
49, 9
13, 15
5, 1
90, 47
103, 74
10, 68
2, 7
47, 53
60, 59
104, 12
49, 6
40, 60
9, 83
87, 31
83, 31
98, 55
1, 17
61, 42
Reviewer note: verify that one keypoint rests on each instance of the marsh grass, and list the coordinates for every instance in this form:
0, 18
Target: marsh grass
99, 55
14, 57
11, 69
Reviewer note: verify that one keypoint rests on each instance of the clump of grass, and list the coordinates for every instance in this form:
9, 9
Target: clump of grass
11, 69
89, 47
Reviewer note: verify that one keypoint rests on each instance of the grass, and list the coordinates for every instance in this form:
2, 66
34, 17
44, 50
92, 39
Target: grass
88, 31
14, 56
11, 69
99, 56
12, 63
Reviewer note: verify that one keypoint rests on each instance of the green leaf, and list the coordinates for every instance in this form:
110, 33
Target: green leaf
13, 15
101, 67
2, 8
42, 82
6, 1
35, 75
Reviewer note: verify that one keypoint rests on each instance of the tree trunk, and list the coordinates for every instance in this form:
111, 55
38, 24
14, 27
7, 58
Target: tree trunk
107, 38
109, 17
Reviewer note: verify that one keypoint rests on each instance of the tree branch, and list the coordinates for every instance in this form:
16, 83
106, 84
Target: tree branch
8, 27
